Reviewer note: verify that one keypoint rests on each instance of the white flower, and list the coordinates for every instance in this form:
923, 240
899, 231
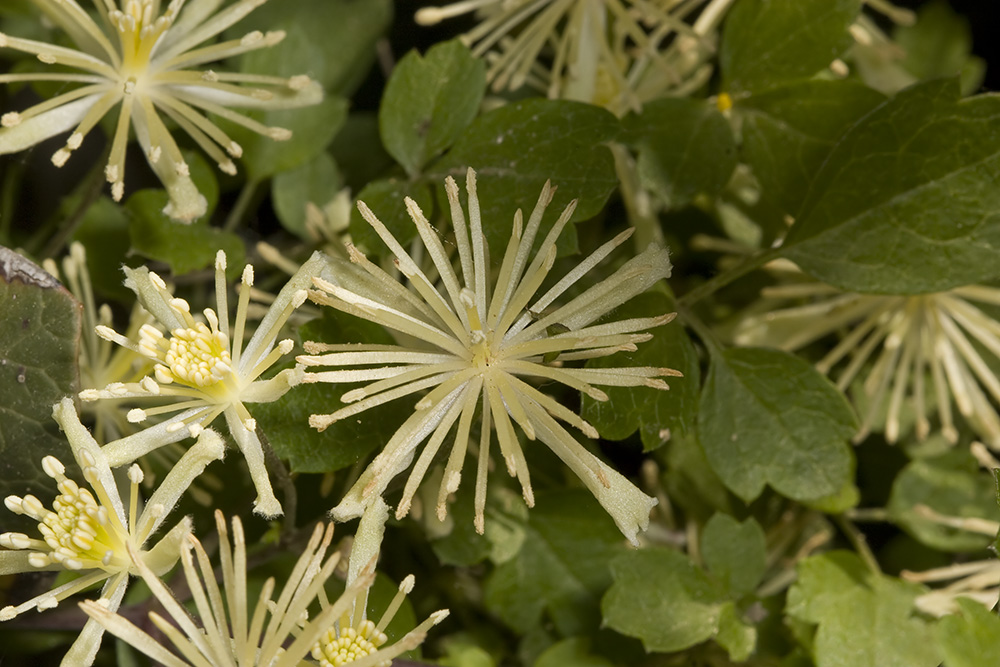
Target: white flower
202, 369
615, 53
275, 633
141, 59
926, 344
89, 530
473, 342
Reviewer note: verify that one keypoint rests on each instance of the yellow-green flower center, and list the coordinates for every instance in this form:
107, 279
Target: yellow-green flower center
335, 648
77, 530
196, 356
138, 31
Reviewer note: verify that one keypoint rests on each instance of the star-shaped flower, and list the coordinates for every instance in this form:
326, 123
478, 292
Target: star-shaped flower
90, 531
203, 370
907, 347
472, 341
614, 53
142, 59
271, 632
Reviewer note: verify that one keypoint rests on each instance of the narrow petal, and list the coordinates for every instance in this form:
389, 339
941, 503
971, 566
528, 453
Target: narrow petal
37, 129
266, 504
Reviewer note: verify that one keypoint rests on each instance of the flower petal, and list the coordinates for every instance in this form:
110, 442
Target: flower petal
37, 129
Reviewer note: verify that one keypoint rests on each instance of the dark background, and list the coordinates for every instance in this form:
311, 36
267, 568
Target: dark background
984, 19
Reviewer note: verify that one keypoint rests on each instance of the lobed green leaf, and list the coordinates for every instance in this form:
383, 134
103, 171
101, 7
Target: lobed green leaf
906, 202
39, 347
789, 131
768, 42
768, 417
658, 415
428, 101
516, 148
686, 148
864, 619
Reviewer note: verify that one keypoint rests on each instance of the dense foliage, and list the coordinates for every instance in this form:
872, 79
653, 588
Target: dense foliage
821, 469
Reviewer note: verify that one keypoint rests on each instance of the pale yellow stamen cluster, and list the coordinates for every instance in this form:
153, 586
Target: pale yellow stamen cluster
907, 348
474, 341
614, 53
142, 58
337, 648
197, 356
78, 532
206, 368
271, 626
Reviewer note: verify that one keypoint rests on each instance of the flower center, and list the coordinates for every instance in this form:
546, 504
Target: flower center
76, 529
335, 649
138, 32
482, 355
196, 356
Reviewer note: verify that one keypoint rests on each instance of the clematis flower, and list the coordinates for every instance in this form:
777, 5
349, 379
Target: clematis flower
89, 530
471, 341
142, 59
277, 633
614, 53
202, 369
927, 344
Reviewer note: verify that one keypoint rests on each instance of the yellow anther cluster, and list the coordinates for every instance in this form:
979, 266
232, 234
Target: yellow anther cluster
335, 649
196, 356
74, 530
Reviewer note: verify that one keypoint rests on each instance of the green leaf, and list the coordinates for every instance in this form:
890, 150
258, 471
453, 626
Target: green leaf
864, 619
506, 515
690, 481
789, 131
316, 182
358, 151
768, 417
463, 652
39, 346
286, 421
769, 42
906, 202
734, 635
939, 44
572, 652
104, 232
686, 148
970, 638
563, 562
184, 248
847, 497
516, 148
312, 128
428, 101
385, 199
734, 553
657, 414
660, 597
333, 41
960, 491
